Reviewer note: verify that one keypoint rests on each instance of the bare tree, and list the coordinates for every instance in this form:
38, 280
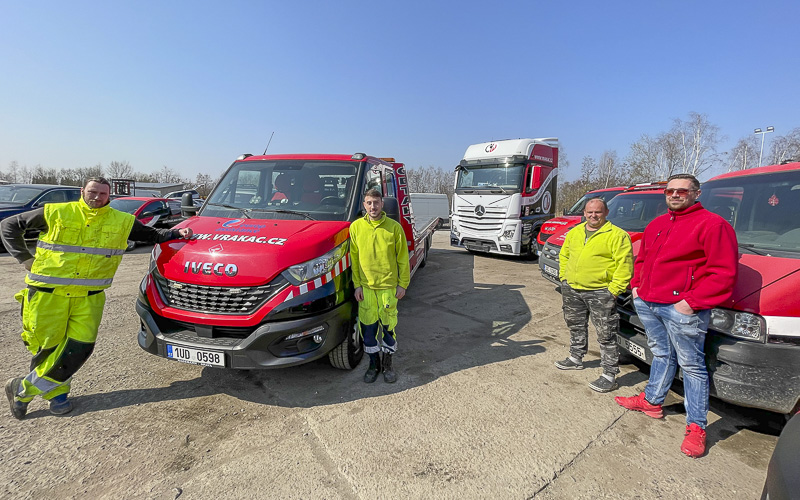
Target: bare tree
744, 154
167, 175
431, 179
13, 172
204, 184
119, 170
589, 169
41, 175
784, 148
697, 140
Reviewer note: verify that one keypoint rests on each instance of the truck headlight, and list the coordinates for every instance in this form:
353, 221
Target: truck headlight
508, 234
454, 229
740, 325
314, 268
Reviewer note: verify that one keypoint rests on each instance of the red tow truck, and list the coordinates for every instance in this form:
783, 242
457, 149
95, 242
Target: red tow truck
265, 282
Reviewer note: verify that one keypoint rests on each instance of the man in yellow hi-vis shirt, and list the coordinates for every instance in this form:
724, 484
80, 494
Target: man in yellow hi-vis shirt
379, 255
595, 266
79, 249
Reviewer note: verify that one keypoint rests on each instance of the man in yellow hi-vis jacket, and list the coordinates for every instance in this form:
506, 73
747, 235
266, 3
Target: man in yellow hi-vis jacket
80, 246
379, 255
595, 266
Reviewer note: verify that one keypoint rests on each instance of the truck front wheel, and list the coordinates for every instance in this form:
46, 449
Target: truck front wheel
347, 355
529, 253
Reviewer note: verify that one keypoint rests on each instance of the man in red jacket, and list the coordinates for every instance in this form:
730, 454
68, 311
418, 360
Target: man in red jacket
686, 266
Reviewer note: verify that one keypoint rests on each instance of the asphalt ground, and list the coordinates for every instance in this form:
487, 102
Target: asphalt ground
479, 411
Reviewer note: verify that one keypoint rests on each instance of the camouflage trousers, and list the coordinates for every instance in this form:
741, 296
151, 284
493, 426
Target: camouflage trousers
601, 306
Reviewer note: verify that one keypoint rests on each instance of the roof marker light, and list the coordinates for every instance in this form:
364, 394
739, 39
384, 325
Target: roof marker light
358, 156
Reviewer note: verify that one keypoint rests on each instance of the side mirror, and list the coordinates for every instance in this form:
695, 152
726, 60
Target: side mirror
188, 208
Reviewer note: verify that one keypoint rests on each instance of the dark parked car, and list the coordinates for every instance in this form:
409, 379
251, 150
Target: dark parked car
18, 198
156, 212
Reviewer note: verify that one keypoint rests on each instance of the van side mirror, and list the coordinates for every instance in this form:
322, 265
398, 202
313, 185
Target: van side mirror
187, 205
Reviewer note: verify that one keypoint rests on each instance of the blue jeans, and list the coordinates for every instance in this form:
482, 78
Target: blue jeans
676, 339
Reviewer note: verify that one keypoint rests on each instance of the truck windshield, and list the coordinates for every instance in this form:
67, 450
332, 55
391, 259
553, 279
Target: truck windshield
577, 208
763, 209
284, 189
501, 177
633, 212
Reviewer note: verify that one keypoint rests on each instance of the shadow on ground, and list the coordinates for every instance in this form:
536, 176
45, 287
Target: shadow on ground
442, 329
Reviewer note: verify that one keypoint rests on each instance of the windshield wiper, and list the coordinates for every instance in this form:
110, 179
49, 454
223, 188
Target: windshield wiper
282, 211
245, 211
750, 248
501, 189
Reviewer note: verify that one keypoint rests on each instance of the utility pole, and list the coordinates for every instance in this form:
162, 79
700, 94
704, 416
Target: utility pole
758, 131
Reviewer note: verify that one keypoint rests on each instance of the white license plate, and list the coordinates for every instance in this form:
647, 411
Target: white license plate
552, 271
636, 350
195, 356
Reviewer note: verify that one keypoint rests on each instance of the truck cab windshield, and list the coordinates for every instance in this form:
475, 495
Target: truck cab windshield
285, 189
499, 177
761, 208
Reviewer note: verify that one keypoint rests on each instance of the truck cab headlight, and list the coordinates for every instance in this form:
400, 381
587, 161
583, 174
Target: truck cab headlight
508, 234
740, 325
314, 268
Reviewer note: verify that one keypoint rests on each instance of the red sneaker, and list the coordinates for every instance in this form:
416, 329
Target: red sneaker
638, 403
694, 444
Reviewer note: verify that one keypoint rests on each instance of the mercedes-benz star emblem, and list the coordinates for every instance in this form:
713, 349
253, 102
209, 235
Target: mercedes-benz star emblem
479, 210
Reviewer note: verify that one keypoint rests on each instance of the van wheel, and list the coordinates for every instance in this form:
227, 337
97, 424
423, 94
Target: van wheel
347, 355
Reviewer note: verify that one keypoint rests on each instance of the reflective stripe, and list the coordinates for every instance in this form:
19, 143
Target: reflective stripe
43, 384
75, 249
68, 281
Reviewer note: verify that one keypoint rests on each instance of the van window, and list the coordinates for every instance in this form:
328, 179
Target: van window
761, 208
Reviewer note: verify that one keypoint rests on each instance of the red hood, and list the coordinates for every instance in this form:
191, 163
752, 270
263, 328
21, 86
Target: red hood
259, 249
552, 225
767, 286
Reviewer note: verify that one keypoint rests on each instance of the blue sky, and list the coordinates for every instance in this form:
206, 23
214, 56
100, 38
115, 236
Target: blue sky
192, 85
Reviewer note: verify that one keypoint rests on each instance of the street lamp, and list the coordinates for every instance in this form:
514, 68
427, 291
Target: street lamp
758, 131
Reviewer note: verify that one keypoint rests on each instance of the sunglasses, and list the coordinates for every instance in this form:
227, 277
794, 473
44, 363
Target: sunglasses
680, 192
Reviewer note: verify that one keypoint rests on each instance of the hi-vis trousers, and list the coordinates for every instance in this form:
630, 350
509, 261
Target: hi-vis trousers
378, 314
60, 332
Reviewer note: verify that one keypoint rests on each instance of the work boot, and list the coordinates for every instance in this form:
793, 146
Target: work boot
18, 408
374, 367
694, 444
389, 376
60, 405
639, 403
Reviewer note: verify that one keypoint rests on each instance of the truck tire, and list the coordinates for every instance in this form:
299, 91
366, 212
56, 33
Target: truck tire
347, 355
425, 254
529, 253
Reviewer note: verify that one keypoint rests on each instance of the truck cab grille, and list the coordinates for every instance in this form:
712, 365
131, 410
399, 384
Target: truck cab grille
217, 299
